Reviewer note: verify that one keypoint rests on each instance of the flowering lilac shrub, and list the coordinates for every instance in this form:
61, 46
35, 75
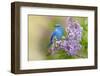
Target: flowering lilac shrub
73, 29
70, 43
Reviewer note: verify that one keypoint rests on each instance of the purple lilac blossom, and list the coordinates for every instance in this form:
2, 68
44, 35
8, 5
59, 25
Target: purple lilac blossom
71, 46
71, 43
74, 29
73, 39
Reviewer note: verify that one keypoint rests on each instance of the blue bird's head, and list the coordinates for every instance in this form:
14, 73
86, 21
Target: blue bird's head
59, 31
59, 28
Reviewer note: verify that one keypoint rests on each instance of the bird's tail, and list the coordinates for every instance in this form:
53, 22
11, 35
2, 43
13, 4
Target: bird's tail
50, 44
51, 40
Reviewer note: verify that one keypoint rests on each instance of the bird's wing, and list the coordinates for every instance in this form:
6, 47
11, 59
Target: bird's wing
52, 36
51, 39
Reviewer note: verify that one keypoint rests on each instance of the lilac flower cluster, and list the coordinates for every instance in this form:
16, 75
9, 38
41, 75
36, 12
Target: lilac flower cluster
71, 47
71, 43
73, 29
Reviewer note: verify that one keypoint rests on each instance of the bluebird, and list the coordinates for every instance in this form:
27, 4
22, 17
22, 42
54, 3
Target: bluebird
57, 33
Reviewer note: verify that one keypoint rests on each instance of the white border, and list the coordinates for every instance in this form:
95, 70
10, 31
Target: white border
25, 64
